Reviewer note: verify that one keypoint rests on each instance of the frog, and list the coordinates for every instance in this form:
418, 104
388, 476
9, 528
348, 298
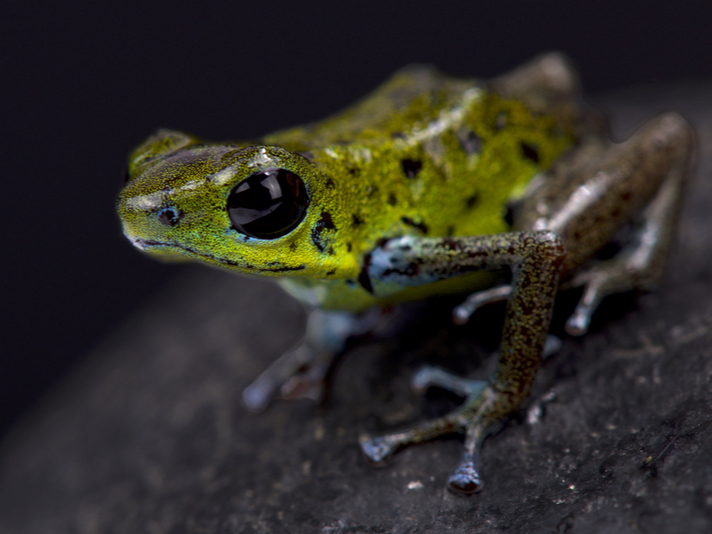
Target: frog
504, 190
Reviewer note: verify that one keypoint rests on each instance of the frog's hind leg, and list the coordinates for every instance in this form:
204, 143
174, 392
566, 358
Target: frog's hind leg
640, 181
638, 266
598, 189
549, 84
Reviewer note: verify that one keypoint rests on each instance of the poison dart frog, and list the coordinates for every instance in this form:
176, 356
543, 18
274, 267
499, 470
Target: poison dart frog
425, 187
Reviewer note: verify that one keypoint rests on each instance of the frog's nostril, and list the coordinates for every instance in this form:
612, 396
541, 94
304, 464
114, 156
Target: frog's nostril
169, 216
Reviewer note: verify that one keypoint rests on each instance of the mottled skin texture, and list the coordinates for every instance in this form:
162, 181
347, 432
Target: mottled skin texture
423, 156
411, 193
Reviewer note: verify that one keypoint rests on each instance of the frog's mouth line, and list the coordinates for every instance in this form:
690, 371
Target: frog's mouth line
145, 245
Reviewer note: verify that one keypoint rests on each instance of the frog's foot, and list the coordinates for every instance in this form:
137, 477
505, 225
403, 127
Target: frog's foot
462, 313
481, 412
303, 371
298, 373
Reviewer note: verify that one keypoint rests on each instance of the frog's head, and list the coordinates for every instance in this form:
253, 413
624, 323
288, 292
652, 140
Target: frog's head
245, 208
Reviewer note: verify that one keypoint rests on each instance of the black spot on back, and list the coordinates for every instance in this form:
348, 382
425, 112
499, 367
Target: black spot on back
472, 200
327, 221
356, 220
392, 200
530, 152
411, 167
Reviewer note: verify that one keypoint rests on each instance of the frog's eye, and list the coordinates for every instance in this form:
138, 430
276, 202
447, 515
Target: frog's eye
268, 204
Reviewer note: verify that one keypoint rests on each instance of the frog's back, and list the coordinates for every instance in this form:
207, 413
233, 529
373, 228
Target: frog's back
430, 155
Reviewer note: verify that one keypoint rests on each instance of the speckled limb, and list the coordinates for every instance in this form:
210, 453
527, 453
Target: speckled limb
640, 264
601, 188
535, 259
593, 193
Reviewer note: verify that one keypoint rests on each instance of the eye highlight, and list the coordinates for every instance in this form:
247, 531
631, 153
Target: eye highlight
268, 204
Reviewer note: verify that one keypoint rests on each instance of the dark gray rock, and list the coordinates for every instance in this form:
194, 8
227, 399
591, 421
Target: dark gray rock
150, 436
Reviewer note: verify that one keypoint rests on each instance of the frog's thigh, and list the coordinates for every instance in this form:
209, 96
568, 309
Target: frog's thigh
535, 259
639, 180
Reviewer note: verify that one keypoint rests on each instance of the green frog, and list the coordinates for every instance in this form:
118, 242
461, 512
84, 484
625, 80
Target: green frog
429, 185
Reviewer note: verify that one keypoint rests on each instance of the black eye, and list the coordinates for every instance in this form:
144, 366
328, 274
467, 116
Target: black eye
169, 216
268, 204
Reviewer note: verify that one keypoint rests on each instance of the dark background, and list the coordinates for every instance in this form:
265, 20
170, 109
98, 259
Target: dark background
83, 82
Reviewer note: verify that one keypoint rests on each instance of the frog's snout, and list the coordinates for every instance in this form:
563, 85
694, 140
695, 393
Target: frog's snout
139, 243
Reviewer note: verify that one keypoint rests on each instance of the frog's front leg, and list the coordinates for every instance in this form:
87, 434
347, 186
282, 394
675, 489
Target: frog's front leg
302, 371
535, 259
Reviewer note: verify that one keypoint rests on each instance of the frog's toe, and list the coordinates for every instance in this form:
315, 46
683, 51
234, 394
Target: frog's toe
466, 476
462, 313
429, 376
378, 449
308, 385
594, 282
257, 396
577, 324
552, 345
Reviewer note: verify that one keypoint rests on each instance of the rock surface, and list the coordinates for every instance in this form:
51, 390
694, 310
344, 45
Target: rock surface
150, 435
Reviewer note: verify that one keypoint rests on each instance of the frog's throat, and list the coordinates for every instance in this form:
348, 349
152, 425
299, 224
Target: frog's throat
147, 245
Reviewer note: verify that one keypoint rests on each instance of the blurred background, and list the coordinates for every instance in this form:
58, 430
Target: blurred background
83, 82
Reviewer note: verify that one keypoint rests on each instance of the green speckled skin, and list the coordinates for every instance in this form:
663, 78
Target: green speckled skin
424, 155
413, 192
